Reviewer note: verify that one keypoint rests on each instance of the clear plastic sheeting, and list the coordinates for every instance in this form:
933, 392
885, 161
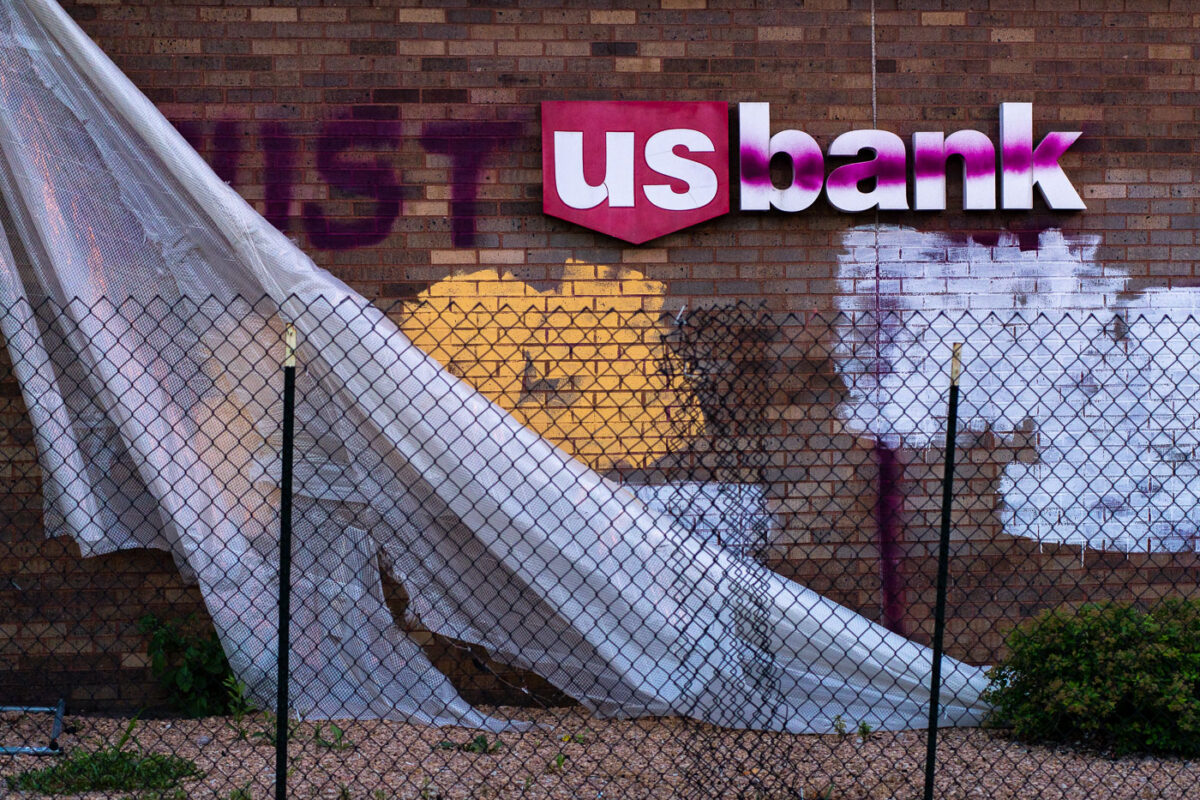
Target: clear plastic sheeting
154, 394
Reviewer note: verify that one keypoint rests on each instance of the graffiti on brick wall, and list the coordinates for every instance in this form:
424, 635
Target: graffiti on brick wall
576, 360
469, 146
354, 161
580, 360
1060, 351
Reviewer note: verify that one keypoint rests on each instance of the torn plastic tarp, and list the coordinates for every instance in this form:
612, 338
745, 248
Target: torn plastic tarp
157, 428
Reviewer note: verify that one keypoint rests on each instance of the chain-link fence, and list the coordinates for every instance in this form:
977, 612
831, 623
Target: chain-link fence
691, 555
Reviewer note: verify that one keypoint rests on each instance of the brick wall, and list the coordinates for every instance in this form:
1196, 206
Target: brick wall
400, 147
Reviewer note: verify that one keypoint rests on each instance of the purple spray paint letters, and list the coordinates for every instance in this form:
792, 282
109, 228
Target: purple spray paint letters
279, 149
347, 175
469, 146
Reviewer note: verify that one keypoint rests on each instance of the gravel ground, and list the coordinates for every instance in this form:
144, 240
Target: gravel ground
568, 754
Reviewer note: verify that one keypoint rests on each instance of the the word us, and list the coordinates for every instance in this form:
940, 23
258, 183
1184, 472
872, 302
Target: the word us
635, 170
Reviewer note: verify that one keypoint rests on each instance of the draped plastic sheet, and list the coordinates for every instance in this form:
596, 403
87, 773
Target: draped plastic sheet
160, 429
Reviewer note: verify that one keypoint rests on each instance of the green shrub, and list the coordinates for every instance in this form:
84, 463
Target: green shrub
1110, 676
114, 768
190, 663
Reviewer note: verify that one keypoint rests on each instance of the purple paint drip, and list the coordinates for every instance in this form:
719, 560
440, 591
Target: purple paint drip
1028, 236
808, 172
1018, 156
888, 505
756, 166
1030, 239
928, 166
1052, 147
979, 167
808, 168
978, 153
888, 171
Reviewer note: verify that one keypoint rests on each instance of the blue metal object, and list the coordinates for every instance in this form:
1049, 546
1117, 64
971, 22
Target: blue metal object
56, 727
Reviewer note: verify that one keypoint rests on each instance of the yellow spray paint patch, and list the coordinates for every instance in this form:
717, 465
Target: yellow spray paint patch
580, 363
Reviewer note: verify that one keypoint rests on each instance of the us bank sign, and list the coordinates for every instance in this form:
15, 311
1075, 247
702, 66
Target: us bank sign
638, 170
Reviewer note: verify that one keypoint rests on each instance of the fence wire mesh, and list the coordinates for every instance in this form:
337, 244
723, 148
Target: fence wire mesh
139, 553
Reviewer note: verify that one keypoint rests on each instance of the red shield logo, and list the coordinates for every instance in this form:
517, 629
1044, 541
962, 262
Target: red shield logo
635, 170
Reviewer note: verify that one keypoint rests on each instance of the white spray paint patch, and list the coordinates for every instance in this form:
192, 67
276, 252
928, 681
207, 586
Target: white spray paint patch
1104, 380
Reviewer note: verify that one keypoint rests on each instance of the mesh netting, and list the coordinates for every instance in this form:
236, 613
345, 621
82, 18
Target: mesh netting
500, 538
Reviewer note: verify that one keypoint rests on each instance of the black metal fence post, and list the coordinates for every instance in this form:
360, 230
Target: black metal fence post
939, 614
285, 563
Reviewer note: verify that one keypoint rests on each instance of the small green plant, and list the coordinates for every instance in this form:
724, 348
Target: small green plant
574, 738
479, 744
1112, 676
338, 740
241, 793
864, 731
557, 763
239, 707
430, 791
112, 768
839, 726
190, 663
271, 726
343, 792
